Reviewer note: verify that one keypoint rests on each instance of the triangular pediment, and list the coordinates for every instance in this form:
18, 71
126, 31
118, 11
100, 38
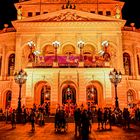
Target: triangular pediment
68, 15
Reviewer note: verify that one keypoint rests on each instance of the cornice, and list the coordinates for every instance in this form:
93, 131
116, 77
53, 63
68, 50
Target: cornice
69, 26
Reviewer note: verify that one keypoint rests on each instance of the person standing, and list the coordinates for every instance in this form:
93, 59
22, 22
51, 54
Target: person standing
99, 118
32, 119
77, 119
13, 119
84, 125
90, 119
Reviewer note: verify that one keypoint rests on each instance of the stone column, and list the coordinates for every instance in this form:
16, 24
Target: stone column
54, 92
18, 52
135, 67
3, 63
119, 53
99, 41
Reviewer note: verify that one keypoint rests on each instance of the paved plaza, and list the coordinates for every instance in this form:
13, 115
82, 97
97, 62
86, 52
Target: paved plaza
23, 132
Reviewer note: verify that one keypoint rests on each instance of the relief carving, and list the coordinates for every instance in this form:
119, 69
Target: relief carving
68, 17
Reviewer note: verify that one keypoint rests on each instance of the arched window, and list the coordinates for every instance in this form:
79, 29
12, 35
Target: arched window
0, 64
130, 97
68, 49
11, 64
48, 50
8, 99
138, 63
127, 63
91, 93
45, 94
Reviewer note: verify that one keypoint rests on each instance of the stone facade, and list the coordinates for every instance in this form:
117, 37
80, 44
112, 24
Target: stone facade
68, 26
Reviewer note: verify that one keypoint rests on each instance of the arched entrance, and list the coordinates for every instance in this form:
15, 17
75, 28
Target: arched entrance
68, 94
42, 93
131, 98
45, 94
8, 99
94, 94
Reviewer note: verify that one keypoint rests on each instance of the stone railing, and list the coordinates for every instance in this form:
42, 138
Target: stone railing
5, 30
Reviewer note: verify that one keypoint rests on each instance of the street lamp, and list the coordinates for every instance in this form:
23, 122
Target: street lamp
115, 78
56, 44
20, 78
81, 45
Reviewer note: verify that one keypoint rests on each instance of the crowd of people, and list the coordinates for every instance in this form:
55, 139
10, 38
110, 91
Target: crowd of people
84, 117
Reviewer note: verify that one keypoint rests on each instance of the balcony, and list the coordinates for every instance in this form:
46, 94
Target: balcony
72, 61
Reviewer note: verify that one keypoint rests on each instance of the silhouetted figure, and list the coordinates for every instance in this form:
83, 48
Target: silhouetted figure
110, 118
32, 119
13, 119
126, 117
84, 125
90, 119
77, 119
99, 118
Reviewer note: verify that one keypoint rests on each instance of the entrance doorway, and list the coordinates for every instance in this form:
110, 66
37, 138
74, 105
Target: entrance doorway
45, 94
68, 95
8, 99
92, 95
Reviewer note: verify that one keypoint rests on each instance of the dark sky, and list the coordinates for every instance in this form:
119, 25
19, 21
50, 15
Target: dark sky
131, 12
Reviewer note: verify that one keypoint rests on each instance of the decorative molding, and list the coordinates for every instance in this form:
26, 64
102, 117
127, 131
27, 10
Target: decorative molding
68, 16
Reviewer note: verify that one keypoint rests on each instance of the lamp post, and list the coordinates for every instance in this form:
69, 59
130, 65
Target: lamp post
81, 45
56, 44
115, 78
20, 78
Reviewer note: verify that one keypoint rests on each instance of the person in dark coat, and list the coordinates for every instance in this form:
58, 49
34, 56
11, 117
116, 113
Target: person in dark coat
85, 125
13, 119
77, 120
32, 119
99, 117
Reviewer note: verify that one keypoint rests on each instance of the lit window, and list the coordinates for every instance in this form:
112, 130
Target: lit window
91, 93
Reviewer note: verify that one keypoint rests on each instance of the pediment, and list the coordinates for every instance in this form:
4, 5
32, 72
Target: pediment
68, 15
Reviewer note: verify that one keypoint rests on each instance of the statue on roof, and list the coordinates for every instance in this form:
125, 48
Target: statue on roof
117, 11
19, 12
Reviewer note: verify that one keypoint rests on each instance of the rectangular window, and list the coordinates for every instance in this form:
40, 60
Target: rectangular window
37, 13
100, 12
92, 11
30, 14
108, 13
45, 12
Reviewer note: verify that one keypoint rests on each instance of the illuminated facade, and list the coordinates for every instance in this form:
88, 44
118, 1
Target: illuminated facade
68, 52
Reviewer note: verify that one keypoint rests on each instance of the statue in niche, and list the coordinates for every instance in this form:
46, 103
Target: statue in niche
31, 57
19, 12
106, 55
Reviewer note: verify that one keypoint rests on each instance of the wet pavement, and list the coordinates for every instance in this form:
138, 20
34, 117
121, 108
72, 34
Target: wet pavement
23, 132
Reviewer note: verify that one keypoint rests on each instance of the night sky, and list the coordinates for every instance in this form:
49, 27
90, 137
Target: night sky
131, 12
